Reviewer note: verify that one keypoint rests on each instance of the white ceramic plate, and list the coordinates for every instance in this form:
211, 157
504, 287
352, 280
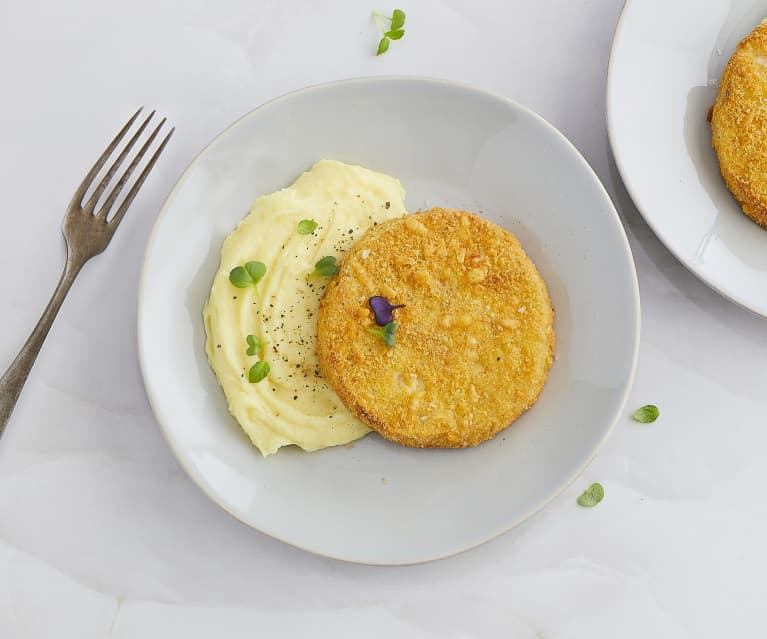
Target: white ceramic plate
450, 145
666, 62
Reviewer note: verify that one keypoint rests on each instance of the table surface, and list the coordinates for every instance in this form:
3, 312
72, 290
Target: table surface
101, 532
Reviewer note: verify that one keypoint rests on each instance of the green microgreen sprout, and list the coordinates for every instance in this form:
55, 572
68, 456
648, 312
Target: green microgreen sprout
391, 28
307, 227
326, 267
646, 414
248, 275
255, 345
592, 496
386, 333
258, 371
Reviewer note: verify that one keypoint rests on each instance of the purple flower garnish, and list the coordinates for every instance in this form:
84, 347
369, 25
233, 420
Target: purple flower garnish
382, 309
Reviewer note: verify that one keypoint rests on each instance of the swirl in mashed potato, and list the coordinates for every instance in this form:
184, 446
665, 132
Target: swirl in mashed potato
294, 404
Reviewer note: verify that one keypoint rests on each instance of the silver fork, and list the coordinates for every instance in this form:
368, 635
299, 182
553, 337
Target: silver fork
87, 233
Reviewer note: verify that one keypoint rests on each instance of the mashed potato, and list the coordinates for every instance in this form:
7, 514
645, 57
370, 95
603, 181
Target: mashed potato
294, 404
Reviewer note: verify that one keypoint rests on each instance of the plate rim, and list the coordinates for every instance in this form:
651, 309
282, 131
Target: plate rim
634, 193
199, 481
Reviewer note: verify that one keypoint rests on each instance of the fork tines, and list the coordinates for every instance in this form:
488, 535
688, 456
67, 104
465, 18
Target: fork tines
108, 202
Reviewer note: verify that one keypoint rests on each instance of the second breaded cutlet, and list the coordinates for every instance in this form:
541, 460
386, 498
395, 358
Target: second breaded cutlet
739, 125
475, 339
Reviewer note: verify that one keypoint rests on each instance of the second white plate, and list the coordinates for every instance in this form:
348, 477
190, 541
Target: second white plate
666, 62
453, 146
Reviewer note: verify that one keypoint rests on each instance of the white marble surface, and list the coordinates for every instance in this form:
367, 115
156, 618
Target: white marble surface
101, 533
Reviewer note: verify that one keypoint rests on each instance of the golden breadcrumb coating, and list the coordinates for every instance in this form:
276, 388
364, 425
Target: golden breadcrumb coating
739, 125
475, 340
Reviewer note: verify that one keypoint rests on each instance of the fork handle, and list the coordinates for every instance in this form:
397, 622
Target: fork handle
13, 379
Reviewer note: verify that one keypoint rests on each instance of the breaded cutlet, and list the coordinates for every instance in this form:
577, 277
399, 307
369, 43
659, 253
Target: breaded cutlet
475, 339
739, 125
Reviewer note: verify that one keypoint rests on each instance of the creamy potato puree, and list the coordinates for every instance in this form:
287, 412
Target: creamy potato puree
293, 405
